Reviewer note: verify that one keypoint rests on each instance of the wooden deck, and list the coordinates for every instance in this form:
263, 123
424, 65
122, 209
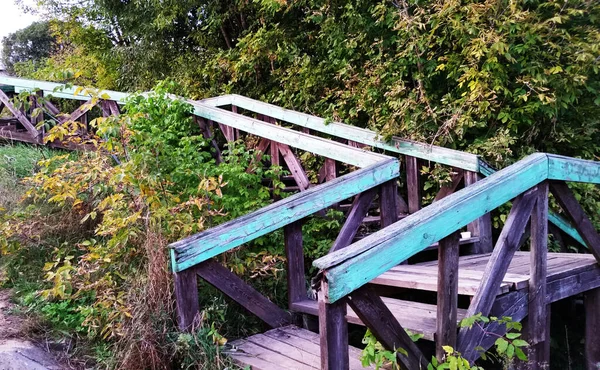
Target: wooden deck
288, 347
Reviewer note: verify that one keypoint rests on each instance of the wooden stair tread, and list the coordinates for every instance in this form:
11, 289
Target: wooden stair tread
418, 318
288, 347
423, 276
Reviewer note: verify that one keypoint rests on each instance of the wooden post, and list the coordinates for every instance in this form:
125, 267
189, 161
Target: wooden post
360, 207
186, 296
333, 332
447, 294
295, 262
413, 184
388, 203
538, 334
592, 329
482, 227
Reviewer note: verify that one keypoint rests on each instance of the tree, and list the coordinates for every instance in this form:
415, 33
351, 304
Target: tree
31, 44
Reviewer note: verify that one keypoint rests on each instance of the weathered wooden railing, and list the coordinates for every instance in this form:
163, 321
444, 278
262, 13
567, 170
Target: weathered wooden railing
346, 273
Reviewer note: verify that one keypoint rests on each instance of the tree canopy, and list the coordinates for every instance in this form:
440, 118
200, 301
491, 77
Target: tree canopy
32, 44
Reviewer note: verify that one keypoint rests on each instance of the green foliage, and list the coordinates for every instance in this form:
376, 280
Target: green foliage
32, 44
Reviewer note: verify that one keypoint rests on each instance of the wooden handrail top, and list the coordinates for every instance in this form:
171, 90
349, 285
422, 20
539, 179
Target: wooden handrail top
202, 246
348, 269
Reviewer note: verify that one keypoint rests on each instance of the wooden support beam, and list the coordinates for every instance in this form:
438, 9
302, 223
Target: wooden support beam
379, 319
592, 329
576, 214
388, 203
20, 116
296, 281
294, 166
105, 108
538, 334
238, 290
329, 170
457, 178
360, 207
482, 227
51, 108
206, 131
333, 332
413, 184
39, 117
447, 294
508, 243
81, 111
186, 296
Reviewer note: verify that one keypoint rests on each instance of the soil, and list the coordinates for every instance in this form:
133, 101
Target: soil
17, 352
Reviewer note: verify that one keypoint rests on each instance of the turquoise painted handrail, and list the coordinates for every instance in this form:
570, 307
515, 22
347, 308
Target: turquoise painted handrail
212, 242
348, 269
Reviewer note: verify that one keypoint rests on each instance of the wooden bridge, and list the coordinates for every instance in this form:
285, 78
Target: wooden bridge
382, 272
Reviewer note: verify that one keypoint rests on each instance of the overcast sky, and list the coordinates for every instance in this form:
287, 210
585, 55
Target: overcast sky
12, 18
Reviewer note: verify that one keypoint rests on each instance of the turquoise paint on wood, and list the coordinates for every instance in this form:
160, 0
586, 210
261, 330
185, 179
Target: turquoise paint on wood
573, 169
434, 153
202, 246
356, 265
565, 226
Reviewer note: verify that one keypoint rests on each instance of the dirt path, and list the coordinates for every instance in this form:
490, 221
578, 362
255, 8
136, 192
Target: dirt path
17, 353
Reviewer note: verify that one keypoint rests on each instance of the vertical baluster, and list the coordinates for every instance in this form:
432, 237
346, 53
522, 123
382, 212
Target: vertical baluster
413, 184
447, 294
482, 227
333, 331
295, 262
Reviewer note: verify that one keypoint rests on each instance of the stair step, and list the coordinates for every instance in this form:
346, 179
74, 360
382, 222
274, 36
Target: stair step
418, 318
288, 347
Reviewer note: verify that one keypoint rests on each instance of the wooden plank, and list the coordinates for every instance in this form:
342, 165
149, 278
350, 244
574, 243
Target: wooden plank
295, 167
567, 201
482, 227
447, 294
312, 360
592, 329
261, 358
413, 184
238, 290
186, 296
538, 334
388, 203
217, 240
114, 107
360, 207
572, 285
104, 106
377, 253
573, 169
19, 115
333, 331
296, 281
564, 225
457, 177
377, 317
506, 246
316, 145
367, 137
10, 135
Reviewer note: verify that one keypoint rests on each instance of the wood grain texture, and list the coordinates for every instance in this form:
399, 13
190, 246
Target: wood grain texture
296, 281
447, 294
360, 207
238, 290
592, 329
457, 178
538, 334
368, 258
333, 332
190, 251
388, 203
482, 227
294, 166
19, 115
186, 296
413, 184
379, 319
506, 246
567, 201
81, 111
573, 169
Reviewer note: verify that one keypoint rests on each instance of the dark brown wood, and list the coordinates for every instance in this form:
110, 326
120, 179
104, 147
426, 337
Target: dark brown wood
572, 284
104, 106
20, 116
577, 215
238, 290
80, 112
360, 206
413, 184
37, 118
447, 294
482, 227
51, 108
205, 129
294, 166
330, 169
373, 312
592, 329
114, 108
333, 332
388, 203
296, 280
457, 179
538, 334
506, 246
513, 305
186, 296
